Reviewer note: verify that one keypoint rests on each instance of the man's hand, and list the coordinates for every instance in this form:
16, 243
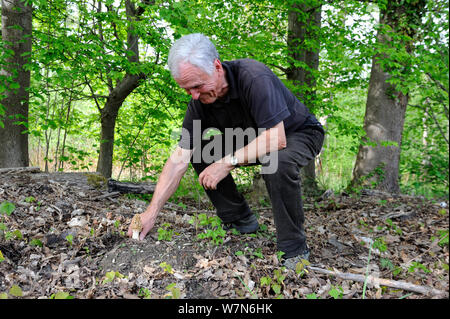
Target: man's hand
214, 173
148, 221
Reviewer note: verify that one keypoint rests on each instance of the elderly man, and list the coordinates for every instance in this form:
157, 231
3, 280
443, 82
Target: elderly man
246, 95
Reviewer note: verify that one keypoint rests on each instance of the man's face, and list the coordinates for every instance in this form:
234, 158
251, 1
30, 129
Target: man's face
199, 84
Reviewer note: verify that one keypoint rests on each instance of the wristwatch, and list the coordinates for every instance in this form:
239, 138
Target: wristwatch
233, 160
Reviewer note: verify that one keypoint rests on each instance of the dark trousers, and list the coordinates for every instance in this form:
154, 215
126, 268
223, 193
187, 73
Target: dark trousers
283, 186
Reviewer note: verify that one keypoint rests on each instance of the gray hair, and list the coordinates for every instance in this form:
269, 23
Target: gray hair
194, 48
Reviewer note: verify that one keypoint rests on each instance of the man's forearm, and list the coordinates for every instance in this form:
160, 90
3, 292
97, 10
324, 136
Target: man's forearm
269, 141
167, 185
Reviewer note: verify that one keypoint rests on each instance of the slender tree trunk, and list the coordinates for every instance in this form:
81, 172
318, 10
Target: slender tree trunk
119, 93
108, 121
16, 35
377, 162
304, 22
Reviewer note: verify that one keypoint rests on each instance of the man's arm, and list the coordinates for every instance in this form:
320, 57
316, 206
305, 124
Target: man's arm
273, 139
270, 140
167, 184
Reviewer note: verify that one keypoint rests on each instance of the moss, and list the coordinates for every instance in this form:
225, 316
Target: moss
96, 180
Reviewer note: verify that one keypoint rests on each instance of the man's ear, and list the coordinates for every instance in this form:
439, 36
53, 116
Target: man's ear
218, 65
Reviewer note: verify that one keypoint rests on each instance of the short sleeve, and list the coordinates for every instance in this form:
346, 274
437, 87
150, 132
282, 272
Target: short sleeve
266, 101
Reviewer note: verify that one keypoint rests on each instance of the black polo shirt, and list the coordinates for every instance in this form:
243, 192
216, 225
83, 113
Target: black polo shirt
256, 98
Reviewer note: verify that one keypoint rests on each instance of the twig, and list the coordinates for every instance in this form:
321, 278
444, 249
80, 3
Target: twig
107, 195
367, 273
380, 281
248, 289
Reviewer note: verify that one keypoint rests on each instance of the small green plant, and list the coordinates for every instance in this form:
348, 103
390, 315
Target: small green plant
275, 283
280, 255
212, 228
166, 267
36, 242
300, 268
111, 275
380, 244
13, 234
15, 291
386, 264
258, 253
69, 239
336, 292
30, 199
174, 292
416, 265
391, 225
165, 232
145, 293
7, 208
61, 295
312, 296
443, 237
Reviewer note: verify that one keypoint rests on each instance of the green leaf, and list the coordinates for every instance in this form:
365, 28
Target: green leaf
18, 234
109, 276
1, 257
36, 242
15, 291
7, 208
276, 288
62, 295
311, 296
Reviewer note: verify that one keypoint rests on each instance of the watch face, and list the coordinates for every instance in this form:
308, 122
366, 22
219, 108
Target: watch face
233, 160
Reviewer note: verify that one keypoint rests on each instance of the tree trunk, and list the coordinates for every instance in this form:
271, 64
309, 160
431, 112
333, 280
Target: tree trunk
302, 74
118, 94
108, 121
16, 35
377, 162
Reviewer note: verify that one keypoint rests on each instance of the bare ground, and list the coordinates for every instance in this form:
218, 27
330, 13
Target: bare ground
62, 241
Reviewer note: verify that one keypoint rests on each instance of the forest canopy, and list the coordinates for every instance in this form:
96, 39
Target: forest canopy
84, 85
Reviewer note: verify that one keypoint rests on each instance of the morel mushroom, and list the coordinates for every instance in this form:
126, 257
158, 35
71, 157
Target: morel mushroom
136, 226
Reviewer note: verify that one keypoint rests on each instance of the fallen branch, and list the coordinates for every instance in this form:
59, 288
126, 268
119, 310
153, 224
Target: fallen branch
107, 195
371, 280
135, 188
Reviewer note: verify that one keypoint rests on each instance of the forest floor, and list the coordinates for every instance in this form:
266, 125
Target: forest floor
60, 240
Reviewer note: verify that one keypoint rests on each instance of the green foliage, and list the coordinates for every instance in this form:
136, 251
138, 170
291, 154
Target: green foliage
111, 275
15, 291
166, 267
211, 228
174, 292
81, 53
336, 292
442, 236
165, 232
380, 244
7, 208
61, 295
275, 282
416, 265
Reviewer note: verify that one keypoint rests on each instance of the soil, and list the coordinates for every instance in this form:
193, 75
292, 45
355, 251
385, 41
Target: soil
65, 240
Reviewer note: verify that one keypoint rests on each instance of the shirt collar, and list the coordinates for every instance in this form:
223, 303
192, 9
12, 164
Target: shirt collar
232, 89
